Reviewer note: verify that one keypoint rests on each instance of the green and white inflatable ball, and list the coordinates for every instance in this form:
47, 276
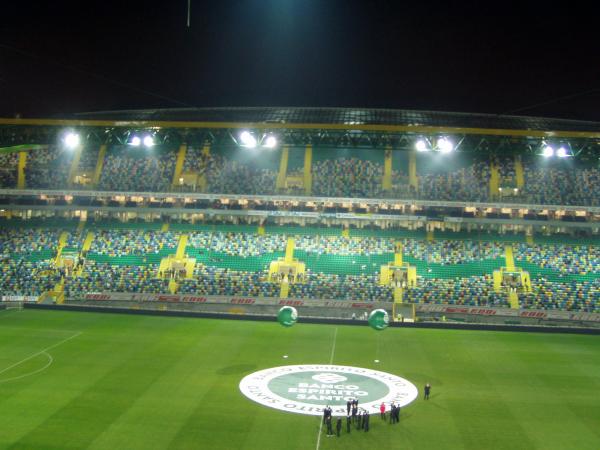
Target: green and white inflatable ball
287, 316
379, 319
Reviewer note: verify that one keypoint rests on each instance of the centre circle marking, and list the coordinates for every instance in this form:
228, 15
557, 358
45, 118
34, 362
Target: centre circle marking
308, 388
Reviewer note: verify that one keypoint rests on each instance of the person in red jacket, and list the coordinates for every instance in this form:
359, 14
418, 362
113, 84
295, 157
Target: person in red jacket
382, 410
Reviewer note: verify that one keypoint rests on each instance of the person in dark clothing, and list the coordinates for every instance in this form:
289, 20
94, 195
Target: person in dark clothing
366, 420
348, 407
397, 413
348, 422
358, 420
354, 412
365, 417
427, 391
338, 426
329, 426
392, 413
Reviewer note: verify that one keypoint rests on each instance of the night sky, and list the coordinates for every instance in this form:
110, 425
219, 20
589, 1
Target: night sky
62, 57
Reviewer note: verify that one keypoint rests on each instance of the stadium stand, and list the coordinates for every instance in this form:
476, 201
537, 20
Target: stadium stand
137, 169
48, 168
8, 170
455, 268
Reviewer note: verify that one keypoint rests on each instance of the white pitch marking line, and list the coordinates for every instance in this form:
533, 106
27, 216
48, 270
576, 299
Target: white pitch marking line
40, 352
330, 362
48, 364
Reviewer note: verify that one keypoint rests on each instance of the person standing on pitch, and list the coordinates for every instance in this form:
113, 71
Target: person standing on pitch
366, 420
427, 391
338, 426
329, 425
392, 413
382, 410
398, 414
348, 407
354, 412
348, 421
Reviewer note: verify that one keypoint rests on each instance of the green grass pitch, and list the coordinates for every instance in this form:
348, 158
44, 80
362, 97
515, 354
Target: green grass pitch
106, 381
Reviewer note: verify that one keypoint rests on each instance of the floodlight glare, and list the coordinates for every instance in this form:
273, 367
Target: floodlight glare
136, 141
247, 139
421, 145
548, 151
71, 140
270, 142
444, 145
148, 141
562, 152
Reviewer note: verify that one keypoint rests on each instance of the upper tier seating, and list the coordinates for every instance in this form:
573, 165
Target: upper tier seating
48, 168
127, 169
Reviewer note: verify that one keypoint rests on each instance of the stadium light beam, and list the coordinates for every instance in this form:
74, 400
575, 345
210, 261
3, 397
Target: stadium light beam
135, 141
148, 141
562, 152
548, 151
445, 145
71, 140
421, 145
270, 142
247, 139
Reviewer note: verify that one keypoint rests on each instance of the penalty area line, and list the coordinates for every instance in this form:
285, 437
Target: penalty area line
40, 352
330, 362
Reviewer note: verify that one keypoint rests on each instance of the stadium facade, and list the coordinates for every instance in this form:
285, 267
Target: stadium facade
417, 210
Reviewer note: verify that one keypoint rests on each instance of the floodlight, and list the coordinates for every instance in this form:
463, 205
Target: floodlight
548, 151
270, 142
136, 141
562, 152
421, 145
444, 145
71, 140
148, 141
247, 139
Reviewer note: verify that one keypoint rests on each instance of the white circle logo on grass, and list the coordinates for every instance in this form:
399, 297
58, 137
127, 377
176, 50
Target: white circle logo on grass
307, 389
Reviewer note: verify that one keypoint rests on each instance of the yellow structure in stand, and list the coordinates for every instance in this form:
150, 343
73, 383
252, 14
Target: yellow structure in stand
175, 264
386, 180
398, 273
286, 270
494, 180
99, 165
179, 165
21, 183
511, 279
308, 170
74, 164
519, 173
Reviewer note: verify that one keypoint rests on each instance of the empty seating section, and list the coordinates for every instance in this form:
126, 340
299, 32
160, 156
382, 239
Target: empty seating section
471, 291
136, 169
571, 259
335, 172
28, 278
106, 277
235, 177
217, 281
455, 268
562, 184
363, 287
130, 242
48, 168
470, 183
8, 170
563, 295
351, 177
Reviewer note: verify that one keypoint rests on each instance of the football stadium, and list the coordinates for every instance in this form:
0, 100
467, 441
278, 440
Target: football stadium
276, 278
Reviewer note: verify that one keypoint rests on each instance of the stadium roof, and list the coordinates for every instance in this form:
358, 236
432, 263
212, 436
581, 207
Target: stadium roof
345, 116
